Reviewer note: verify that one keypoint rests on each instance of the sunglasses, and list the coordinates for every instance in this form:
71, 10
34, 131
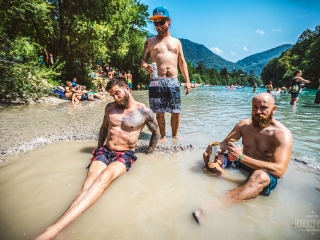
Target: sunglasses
156, 24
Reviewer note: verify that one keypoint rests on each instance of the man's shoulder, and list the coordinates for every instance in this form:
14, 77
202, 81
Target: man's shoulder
143, 109
280, 128
110, 106
244, 122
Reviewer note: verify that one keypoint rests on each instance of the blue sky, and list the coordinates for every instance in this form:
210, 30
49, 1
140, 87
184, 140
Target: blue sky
236, 29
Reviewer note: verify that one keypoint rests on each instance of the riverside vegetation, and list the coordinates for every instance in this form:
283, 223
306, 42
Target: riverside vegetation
79, 33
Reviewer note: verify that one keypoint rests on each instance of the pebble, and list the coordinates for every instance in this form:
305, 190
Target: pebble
141, 146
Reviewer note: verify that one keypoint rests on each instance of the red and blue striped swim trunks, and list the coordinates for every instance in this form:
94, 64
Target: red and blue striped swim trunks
107, 156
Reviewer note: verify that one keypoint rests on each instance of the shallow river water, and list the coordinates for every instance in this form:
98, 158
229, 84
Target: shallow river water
45, 150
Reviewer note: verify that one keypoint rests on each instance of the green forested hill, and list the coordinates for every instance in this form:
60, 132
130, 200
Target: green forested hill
256, 62
195, 53
304, 55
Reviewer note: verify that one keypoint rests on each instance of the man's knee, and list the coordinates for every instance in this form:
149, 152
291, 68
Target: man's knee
160, 115
259, 179
114, 170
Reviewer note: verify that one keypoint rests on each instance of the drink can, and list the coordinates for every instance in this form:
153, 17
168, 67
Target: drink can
155, 70
236, 143
215, 146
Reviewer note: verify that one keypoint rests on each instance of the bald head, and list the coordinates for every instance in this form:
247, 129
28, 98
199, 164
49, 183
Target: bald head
265, 98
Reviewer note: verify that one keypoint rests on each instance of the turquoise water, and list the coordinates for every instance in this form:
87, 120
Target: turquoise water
155, 199
208, 113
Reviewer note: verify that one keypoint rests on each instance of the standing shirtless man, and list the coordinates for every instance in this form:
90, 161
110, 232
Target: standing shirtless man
129, 79
265, 155
166, 52
123, 121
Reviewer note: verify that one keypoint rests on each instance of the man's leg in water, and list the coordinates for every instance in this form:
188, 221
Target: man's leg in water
250, 190
162, 125
175, 121
98, 180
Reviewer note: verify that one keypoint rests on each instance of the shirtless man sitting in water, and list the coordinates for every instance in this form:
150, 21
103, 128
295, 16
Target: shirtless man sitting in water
265, 155
123, 121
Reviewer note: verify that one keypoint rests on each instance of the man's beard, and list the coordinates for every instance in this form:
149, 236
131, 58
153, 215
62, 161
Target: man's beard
162, 30
123, 103
261, 121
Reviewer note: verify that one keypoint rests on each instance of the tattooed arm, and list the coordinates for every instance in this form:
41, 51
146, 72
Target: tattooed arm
145, 57
104, 128
152, 125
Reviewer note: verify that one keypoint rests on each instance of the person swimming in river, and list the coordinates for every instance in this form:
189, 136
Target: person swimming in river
123, 121
265, 154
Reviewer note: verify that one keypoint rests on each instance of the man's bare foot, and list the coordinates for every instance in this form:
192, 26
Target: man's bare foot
49, 233
163, 139
196, 215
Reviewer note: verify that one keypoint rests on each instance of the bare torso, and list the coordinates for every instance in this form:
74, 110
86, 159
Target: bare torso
165, 52
123, 126
129, 77
261, 144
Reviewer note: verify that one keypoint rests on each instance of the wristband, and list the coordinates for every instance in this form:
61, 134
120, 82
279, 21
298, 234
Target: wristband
240, 158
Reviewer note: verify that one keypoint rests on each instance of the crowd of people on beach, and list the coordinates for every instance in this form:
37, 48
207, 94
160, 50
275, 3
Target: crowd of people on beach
77, 93
265, 153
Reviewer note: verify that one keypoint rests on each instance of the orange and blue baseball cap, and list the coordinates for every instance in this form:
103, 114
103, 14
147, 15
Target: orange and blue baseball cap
160, 12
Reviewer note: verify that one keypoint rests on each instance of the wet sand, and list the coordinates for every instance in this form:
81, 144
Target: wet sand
153, 200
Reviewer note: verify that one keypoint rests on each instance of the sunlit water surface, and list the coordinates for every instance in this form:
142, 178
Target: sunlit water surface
154, 200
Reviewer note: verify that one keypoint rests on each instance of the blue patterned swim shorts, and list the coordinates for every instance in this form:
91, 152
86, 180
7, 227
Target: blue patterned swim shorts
164, 95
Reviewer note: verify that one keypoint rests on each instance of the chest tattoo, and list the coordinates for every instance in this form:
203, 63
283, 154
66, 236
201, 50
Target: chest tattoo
133, 119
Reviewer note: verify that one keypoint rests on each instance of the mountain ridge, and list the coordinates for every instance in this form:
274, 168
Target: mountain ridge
195, 53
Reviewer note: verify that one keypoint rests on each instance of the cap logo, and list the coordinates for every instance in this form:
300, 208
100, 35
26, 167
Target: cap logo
159, 13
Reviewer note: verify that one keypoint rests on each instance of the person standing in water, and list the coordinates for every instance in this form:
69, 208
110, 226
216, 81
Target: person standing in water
265, 156
123, 121
269, 87
129, 78
254, 87
166, 52
317, 98
295, 86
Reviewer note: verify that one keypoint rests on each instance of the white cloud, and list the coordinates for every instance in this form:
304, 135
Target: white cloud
236, 44
277, 30
233, 53
216, 50
245, 48
260, 31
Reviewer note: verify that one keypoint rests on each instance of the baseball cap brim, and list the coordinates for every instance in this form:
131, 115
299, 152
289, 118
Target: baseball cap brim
156, 17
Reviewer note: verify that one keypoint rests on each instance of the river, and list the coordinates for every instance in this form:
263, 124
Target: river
45, 149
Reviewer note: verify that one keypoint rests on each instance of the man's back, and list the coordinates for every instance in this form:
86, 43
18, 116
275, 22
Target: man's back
129, 77
165, 52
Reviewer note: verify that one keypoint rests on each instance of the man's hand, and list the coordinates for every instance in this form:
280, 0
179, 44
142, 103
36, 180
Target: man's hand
187, 88
234, 152
148, 68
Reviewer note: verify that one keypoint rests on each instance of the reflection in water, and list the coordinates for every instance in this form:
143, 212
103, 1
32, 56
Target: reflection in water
153, 200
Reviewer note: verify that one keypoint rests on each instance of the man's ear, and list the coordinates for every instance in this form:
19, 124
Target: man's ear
275, 108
